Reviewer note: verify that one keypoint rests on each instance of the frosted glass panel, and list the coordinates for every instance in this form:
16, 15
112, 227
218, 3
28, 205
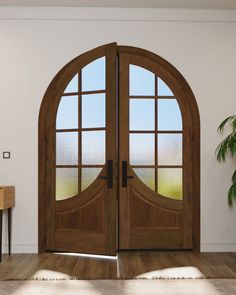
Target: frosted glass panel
170, 149
142, 149
147, 176
169, 115
67, 113
170, 183
142, 81
88, 176
93, 110
163, 89
93, 75
73, 85
67, 148
66, 183
93, 147
142, 114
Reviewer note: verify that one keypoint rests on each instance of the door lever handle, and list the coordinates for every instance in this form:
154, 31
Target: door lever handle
125, 177
109, 176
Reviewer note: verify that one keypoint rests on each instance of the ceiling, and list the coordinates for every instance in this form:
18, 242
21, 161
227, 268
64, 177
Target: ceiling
194, 4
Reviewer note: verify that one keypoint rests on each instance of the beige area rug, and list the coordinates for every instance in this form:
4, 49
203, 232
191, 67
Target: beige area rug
120, 287
185, 272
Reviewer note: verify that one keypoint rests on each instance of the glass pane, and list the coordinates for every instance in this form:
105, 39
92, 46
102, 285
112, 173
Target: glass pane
170, 183
94, 76
67, 113
142, 149
93, 110
169, 115
142, 81
93, 147
163, 89
66, 183
170, 149
88, 176
147, 175
73, 85
142, 114
67, 148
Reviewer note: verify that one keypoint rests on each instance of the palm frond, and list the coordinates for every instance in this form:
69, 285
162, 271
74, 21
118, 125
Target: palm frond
234, 177
229, 119
223, 149
232, 194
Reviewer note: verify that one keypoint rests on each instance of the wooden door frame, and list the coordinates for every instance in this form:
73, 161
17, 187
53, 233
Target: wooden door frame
52, 91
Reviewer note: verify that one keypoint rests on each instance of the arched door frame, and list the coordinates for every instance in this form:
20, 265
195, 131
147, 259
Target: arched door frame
172, 77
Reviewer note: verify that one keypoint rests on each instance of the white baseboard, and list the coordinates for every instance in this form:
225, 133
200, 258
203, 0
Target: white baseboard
20, 248
218, 247
205, 247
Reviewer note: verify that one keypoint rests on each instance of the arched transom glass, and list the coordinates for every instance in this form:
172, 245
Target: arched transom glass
155, 133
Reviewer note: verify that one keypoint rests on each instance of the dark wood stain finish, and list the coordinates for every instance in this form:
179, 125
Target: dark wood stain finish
145, 221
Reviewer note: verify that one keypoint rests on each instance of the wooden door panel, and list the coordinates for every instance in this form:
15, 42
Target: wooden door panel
85, 222
148, 220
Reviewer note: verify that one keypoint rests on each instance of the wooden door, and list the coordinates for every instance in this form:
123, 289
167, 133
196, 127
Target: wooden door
155, 155
81, 155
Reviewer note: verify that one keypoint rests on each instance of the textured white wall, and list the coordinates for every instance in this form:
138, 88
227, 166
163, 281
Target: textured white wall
31, 53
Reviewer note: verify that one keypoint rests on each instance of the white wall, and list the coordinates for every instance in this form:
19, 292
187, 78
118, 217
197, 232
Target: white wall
31, 53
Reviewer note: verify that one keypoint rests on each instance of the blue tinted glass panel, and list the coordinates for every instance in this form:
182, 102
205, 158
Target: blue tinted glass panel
73, 85
169, 115
163, 89
93, 110
67, 113
94, 75
142, 81
142, 114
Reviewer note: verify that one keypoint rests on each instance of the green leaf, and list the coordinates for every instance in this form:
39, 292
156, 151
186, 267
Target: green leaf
227, 120
234, 178
232, 194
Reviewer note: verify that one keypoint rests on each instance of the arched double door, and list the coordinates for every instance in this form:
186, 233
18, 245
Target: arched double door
118, 155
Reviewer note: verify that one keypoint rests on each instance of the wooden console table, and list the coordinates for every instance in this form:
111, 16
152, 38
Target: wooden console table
7, 201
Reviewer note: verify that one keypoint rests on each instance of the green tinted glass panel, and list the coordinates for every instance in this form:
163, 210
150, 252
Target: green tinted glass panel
147, 176
73, 85
66, 183
170, 149
142, 149
93, 110
142, 114
67, 113
93, 147
163, 89
141, 81
67, 148
169, 115
93, 75
170, 183
88, 176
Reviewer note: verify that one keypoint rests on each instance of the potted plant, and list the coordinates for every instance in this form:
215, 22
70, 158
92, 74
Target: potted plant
228, 148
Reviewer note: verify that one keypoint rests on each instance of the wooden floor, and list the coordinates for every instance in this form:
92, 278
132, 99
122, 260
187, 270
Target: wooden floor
127, 265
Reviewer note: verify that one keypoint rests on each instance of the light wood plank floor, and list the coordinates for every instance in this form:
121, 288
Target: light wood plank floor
128, 265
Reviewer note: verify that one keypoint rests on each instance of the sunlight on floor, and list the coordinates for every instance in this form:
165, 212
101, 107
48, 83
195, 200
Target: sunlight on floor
88, 255
184, 272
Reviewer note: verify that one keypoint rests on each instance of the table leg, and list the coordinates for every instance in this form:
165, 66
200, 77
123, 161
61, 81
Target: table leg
1, 235
9, 230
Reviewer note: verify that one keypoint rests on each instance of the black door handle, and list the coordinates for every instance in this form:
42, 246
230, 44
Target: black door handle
125, 177
109, 176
